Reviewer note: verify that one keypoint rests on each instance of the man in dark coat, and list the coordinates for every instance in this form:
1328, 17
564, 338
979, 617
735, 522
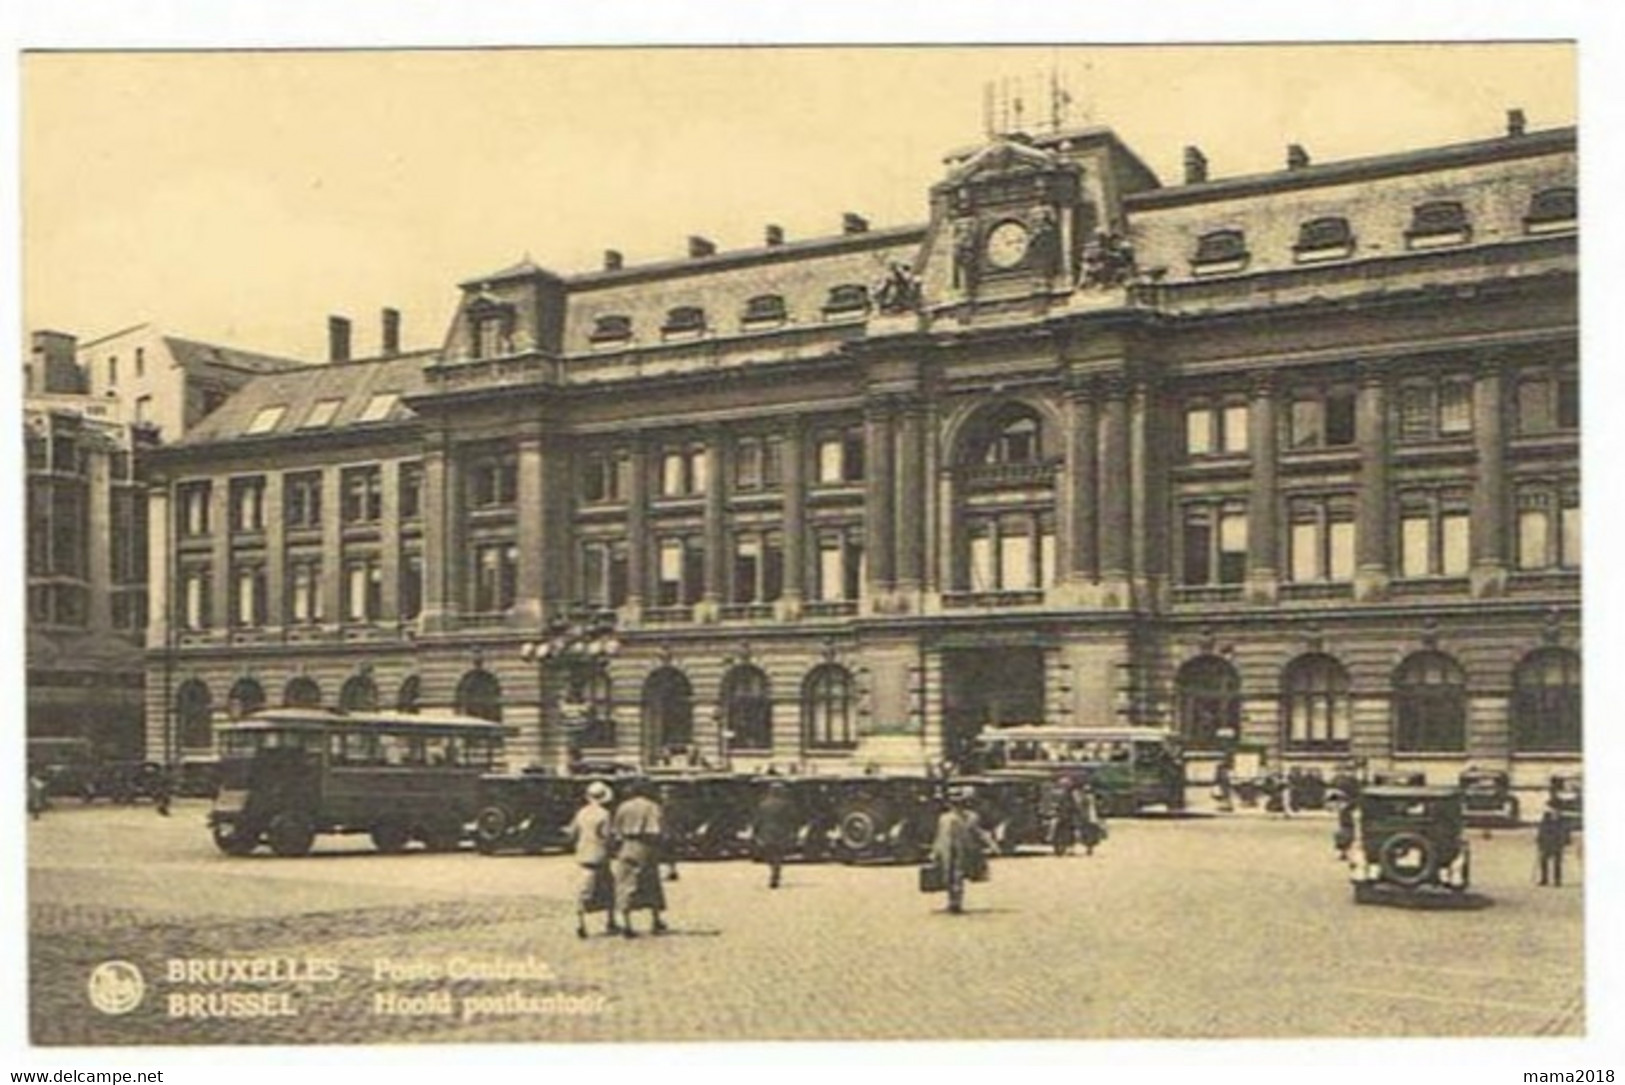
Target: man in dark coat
774, 829
1551, 837
960, 848
637, 826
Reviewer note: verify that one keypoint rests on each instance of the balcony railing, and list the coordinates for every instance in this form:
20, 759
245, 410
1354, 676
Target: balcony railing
1207, 593
667, 615
747, 611
1317, 589
999, 476
966, 600
830, 608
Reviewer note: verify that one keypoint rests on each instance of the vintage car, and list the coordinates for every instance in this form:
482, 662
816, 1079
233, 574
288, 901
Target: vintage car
1412, 850
1487, 798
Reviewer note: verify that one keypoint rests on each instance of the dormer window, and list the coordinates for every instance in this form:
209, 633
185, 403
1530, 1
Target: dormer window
321, 415
493, 326
847, 299
1323, 239
685, 321
1438, 224
765, 309
1219, 252
379, 407
266, 419
610, 328
1552, 210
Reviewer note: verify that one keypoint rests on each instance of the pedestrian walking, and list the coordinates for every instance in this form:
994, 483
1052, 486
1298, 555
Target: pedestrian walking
1064, 832
36, 795
637, 828
1223, 789
1343, 838
163, 790
960, 849
1091, 827
589, 837
1551, 838
773, 830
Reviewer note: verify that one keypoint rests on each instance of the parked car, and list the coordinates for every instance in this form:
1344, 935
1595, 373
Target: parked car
1411, 844
1487, 798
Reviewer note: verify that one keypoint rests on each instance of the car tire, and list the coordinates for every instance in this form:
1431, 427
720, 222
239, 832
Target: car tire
490, 830
857, 831
391, 836
291, 835
1391, 860
235, 840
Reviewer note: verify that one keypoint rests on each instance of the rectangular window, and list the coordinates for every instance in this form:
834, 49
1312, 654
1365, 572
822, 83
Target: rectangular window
248, 504
248, 608
670, 590
829, 461
1455, 408
302, 500
1015, 558
1416, 544
1305, 544
1455, 552
411, 586
1570, 557
1568, 403
673, 475
1307, 426
1235, 428
699, 471
363, 589
194, 501
1046, 555
772, 568
196, 598
1199, 431
841, 457
1415, 413
693, 572
1232, 546
1197, 540
494, 482
748, 464
1534, 537
363, 495
772, 463
747, 568
411, 491
143, 408
831, 571
1340, 558
1340, 410
496, 577
305, 591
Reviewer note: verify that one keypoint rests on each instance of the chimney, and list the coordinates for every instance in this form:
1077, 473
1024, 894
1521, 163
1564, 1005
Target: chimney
854, 224
392, 332
1516, 123
1296, 157
613, 260
338, 339
775, 236
1195, 166
700, 246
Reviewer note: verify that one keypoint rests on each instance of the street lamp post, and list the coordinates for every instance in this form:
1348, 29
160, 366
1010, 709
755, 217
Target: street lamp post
575, 649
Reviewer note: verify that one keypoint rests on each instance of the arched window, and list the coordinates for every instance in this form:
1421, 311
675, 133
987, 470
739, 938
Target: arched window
360, 693
246, 698
1012, 433
668, 712
192, 703
1209, 692
1315, 704
747, 708
302, 692
826, 708
599, 731
410, 697
1430, 704
479, 694
1546, 702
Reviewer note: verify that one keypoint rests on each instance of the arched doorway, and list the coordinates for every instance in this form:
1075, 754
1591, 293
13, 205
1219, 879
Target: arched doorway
668, 715
192, 708
1546, 702
479, 694
410, 695
1430, 704
246, 698
747, 708
1209, 692
359, 694
302, 692
1316, 709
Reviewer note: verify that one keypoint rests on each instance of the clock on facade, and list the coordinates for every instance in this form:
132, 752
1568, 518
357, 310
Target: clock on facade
1007, 244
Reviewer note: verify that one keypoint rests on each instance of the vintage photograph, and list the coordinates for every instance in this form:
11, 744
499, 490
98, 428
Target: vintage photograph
542, 545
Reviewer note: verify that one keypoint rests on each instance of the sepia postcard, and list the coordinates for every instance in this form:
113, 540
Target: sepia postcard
934, 543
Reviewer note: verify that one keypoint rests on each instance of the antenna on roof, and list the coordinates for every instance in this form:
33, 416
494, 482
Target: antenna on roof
1060, 100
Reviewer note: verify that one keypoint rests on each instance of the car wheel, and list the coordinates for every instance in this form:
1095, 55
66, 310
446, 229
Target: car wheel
235, 839
291, 835
490, 830
1408, 859
391, 837
857, 831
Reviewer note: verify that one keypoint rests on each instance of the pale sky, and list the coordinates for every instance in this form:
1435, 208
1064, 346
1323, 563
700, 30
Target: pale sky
242, 197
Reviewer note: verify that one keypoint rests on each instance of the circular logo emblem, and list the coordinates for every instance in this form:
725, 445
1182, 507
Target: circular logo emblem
116, 987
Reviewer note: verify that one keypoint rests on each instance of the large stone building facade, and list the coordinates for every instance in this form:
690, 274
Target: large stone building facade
1288, 460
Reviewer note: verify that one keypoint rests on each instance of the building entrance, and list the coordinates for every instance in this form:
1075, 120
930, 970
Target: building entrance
988, 687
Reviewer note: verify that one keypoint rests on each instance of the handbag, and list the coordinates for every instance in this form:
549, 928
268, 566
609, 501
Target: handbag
933, 879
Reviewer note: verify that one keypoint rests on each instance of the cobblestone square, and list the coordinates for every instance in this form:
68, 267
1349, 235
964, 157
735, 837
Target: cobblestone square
1204, 927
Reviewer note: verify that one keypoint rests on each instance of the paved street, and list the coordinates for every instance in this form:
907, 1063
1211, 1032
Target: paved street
1207, 927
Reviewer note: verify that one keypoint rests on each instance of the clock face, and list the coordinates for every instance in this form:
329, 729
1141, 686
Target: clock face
1007, 244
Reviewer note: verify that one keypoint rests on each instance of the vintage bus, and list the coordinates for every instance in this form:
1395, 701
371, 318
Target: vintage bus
1128, 768
288, 775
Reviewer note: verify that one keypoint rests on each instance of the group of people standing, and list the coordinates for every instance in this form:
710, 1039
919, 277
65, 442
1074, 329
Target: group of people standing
618, 852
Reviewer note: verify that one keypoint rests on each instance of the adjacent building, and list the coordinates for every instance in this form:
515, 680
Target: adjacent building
1287, 460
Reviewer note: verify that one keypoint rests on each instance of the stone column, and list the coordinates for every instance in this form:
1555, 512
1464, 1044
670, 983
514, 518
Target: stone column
910, 500
1488, 574
389, 537
443, 556
1263, 503
794, 468
1077, 501
160, 563
276, 553
877, 512
716, 525
220, 570
1115, 509
333, 578
637, 531
529, 607
1371, 571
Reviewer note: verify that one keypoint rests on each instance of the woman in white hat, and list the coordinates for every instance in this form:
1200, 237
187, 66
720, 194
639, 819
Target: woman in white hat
589, 832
